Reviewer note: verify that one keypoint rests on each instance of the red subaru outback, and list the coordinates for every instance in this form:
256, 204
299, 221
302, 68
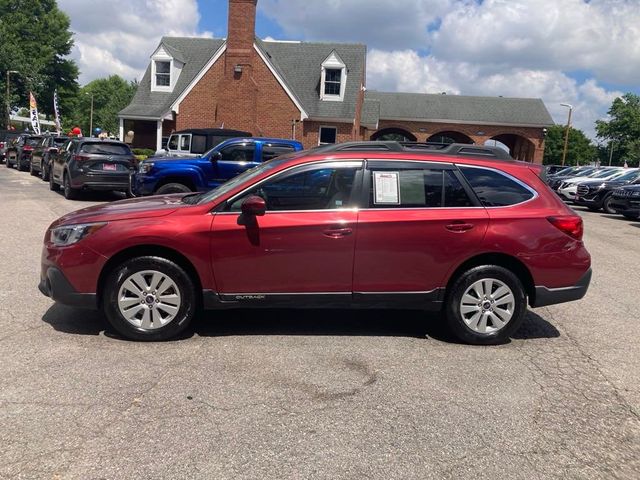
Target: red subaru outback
462, 230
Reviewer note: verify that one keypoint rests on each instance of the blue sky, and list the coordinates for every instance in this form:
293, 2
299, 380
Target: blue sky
564, 51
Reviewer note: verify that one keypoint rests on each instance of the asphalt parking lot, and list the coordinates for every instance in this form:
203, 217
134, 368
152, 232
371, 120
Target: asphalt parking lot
315, 394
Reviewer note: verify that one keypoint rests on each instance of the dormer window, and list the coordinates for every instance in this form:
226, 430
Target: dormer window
163, 73
333, 78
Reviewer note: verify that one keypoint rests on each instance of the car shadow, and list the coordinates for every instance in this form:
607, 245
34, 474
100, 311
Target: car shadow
616, 217
96, 196
297, 322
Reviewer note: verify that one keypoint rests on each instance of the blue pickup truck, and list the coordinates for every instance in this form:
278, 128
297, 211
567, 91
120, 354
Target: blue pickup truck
157, 176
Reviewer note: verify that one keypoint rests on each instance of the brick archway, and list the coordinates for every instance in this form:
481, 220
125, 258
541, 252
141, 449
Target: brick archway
520, 147
393, 133
450, 136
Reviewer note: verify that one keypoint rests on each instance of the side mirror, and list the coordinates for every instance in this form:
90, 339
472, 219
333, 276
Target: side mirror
215, 156
254, 205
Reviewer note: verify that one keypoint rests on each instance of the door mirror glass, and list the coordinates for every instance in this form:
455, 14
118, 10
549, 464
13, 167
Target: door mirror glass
215, 156
254, 205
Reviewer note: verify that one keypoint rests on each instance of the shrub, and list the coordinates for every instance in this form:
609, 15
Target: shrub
143, 152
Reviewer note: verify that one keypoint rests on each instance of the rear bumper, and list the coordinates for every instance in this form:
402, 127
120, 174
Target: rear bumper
550, 296
56, 286
101, 181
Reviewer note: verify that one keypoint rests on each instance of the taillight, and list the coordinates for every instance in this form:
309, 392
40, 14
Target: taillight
27, 148
569, 224
1, 144
81, 158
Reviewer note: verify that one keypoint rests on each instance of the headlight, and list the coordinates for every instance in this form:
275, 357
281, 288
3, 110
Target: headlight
70, 234
636, 193
145, 167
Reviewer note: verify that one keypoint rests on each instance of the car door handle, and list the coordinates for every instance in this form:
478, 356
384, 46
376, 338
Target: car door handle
459, 227
337, 232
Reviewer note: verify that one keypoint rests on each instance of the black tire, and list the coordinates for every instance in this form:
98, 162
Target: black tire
7, 162
114, 281
455, 319
53, 186
19, 166
592, 208
173, 188
32, 172
69, 193
631, 216
606, 205
45, 173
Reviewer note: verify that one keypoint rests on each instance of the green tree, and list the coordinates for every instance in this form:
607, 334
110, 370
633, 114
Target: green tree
35, 40
580, 149
110, 95
623, 129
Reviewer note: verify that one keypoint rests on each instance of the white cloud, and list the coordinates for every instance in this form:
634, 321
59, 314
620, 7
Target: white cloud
407, 71
118, 36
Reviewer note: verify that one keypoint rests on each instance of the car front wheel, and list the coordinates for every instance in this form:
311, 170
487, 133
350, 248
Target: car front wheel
173, 188
149, 298
485, 305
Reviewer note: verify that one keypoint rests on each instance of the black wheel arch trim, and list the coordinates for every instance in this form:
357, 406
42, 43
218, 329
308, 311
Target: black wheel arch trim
550, 296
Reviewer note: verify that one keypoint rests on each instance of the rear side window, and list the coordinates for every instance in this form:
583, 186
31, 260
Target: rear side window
198, 143
273, 151
417, 188
105, 148
495, 189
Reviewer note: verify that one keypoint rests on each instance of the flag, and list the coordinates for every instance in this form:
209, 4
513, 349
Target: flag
33, 113
56, 110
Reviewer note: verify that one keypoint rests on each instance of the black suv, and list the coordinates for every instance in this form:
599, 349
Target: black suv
41, 156
596, 194
91, 164
20, 150
626, 201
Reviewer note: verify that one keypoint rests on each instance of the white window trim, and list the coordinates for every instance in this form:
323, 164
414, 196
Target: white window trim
320, 132
333, 62
162, 88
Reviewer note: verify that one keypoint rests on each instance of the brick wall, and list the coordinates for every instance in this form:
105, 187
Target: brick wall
311, 132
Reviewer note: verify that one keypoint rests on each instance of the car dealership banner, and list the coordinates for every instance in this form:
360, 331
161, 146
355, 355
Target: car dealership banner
33, 113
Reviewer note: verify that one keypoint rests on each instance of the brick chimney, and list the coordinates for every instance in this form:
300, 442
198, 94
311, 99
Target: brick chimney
242, 26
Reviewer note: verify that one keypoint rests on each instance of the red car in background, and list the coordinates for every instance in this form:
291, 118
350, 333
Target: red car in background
462, 230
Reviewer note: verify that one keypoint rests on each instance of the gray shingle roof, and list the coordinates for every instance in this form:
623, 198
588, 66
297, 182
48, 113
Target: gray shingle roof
195, 53
461, 108
299, 64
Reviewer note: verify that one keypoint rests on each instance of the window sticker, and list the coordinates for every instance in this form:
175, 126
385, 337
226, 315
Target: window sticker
386, 188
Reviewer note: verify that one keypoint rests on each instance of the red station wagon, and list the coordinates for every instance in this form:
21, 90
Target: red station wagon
464, 230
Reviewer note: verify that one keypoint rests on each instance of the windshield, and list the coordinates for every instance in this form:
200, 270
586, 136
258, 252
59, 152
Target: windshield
565, 171
59, 140
603, 174
629, 176
33, 141
105, 148
243, 177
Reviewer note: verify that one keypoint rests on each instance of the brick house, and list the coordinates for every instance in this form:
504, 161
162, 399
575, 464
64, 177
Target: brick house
313, 92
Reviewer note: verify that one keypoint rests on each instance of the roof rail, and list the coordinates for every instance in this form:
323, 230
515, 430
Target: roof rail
451, 149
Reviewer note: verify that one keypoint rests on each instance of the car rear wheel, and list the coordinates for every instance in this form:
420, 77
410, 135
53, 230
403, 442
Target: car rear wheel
485, 305
19, 165
32, 172
69, 192
45, 172
606, 205
53, 186
173, 188
149, 298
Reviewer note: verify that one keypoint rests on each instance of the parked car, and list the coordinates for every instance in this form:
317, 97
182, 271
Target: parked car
473, 237
568, 188
6, 136
194, 142
224, 161
41, 156
91, 164
556, 180
20, 150
597, 194
626, 201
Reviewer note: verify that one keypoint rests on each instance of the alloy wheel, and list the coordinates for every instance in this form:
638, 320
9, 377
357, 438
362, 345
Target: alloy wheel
487, 305
149, 299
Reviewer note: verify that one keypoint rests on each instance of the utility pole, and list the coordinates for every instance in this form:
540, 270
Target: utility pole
91, 118
610, 151
566, 134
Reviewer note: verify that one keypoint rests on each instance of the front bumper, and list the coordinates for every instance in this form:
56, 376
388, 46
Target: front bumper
141, 184
590, 199
56, 286
550, 296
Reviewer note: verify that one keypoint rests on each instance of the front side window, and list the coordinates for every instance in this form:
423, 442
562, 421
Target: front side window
416, 188
495, 189
320, 188
163, 73
332, 81
238, 153
327, 135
